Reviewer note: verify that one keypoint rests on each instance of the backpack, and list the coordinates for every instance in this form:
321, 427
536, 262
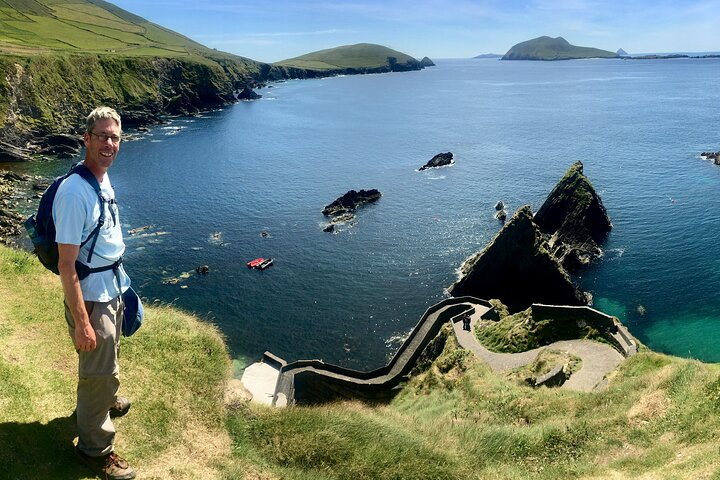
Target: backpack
41, 226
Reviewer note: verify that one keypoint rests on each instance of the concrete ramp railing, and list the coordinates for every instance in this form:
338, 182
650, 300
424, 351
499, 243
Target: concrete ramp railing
611, 328
314, 381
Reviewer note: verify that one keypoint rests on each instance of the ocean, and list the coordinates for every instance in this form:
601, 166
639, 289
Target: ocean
252, 179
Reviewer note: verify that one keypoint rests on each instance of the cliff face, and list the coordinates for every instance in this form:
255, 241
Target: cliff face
41, 94
518, 269
575, 219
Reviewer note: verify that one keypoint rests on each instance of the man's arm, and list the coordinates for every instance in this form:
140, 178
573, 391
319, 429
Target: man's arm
84, 333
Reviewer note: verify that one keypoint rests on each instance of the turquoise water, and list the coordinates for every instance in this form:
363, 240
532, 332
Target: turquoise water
209, 186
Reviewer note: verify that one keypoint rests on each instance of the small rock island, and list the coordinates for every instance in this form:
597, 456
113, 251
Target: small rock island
342, 210
439, 160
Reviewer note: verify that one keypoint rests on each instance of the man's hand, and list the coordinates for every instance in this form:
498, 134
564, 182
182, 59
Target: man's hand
84, 337
85, 340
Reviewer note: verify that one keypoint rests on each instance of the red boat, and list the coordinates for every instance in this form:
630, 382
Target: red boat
255, 263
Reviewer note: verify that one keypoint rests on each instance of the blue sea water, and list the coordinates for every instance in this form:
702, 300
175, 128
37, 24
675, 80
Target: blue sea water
209, 186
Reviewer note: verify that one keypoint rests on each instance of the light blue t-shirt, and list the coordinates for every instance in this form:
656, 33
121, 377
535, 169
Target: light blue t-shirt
76, 211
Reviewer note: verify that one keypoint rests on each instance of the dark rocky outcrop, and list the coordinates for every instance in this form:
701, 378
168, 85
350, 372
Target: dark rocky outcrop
714, 156
518, 269
575, 220
349, 202
60, 145
248, 93
439, 160
426, 62
11, 153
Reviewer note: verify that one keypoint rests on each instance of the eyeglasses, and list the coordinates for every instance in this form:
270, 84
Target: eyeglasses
103, 137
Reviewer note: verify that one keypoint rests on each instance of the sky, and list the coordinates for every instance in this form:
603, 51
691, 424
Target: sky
273, 30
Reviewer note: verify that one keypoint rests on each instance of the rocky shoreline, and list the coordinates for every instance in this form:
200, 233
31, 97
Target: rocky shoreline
11, 222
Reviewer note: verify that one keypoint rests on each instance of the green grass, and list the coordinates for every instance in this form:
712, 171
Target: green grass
521, 332
83, 26
453, 420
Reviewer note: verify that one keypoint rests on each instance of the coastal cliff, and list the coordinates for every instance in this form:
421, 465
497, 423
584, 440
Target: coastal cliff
44, 94
518, 269
575, 220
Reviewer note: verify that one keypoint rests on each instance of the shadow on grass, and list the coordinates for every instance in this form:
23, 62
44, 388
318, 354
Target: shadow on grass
34, 451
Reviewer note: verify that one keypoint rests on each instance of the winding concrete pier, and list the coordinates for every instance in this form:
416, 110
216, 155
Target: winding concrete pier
276, 382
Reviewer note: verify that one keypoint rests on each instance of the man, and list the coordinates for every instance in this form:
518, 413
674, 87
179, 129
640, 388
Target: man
93, 303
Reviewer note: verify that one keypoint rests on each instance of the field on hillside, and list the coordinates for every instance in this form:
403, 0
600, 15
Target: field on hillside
80, 26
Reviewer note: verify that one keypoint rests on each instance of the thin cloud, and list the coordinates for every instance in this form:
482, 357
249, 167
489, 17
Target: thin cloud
237, 37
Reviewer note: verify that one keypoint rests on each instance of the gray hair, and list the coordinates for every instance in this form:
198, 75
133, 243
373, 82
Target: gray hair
101, 113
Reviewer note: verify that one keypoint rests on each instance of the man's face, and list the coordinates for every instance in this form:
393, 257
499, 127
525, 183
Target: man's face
102, 143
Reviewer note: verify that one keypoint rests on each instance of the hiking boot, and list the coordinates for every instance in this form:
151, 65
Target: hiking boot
120, 407
108, 467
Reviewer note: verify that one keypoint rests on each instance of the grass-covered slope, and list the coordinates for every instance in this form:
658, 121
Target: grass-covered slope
87, 26
358, 57
547, 48
659, 418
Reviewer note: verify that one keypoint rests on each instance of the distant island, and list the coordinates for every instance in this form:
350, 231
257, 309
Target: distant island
358, 58
488, 55
547, 48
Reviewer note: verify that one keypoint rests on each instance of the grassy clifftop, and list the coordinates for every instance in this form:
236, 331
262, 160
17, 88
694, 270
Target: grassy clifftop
455, 419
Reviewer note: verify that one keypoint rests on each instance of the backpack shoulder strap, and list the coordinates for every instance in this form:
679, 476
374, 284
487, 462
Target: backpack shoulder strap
89, 177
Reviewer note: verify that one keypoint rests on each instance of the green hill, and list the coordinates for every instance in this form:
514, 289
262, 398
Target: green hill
454, 419
88, 26
546, 48
361, 57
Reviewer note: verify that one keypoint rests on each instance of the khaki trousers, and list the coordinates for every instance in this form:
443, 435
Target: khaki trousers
99, 377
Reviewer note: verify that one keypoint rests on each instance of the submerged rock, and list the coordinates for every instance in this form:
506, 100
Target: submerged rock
575, 220
439, 160
714, 156
518, 269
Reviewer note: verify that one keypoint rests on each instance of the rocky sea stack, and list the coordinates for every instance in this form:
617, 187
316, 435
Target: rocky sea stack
575, 219
518, 269
439, 160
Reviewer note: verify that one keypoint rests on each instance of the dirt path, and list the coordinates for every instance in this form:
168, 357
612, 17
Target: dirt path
598, 359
